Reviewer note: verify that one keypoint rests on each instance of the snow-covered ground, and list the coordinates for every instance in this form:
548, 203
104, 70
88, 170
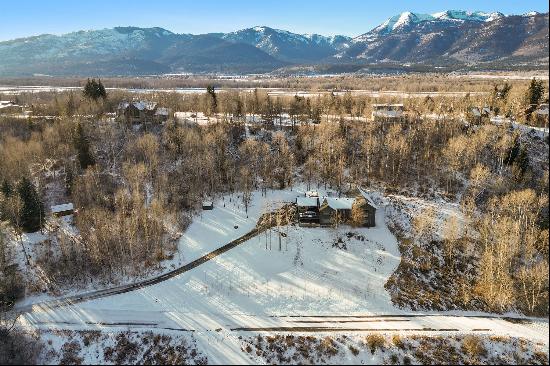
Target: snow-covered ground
319, 270
313, 277
281, 92
208, 231
541, 132
144, 346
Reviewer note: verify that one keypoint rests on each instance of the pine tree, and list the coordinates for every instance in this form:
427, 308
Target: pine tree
94, 90
71, 105
6, 188
213, 98
32, 211
82, 145
535, 92
101, 92
69, 180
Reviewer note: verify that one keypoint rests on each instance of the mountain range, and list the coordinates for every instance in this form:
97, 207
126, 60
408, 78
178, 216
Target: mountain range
453, 37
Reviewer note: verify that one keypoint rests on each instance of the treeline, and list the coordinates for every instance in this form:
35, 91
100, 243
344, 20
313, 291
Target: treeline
419, 82
511, 99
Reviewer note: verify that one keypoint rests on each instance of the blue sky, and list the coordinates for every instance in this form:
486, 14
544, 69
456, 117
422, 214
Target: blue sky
350, 17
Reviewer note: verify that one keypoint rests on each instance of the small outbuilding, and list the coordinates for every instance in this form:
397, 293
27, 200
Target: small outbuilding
478, 115
65, 209
161, 115
8, 107
388, 112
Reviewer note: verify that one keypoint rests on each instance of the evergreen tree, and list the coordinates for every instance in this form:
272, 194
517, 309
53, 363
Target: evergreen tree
94, 90
501, 93
101, 90
214, 101
82, 145
88, 89
535, 92
71, 105
6, 188
69, 180
32, 211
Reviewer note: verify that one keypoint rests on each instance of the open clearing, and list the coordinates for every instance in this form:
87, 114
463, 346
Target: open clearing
314, 280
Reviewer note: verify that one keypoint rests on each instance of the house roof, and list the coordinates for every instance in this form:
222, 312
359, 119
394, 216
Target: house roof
476, 112
341, 203
61, 208
162, 111
388, 113
6, 104
368, 198
306, 201
543, 109
141, 105
388, 105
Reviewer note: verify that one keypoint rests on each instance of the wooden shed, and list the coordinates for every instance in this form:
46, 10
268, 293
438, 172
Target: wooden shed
62, 210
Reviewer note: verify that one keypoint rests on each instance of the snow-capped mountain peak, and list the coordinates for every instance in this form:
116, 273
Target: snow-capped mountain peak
407, 19
400, 21
463, 16
287, 45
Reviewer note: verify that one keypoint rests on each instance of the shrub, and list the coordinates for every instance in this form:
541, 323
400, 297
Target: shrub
473, 346
397, 341
375, 341
353, 350
71, 351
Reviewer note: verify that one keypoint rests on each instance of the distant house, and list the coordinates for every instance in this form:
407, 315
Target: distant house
308, 210
161, 115
62, 210
7, 107
334, 210
139, 112
478, 115
388, 112
312, 194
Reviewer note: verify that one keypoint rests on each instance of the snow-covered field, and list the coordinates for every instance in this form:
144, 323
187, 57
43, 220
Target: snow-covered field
208, 231
315, 271
301, 279
281, 92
